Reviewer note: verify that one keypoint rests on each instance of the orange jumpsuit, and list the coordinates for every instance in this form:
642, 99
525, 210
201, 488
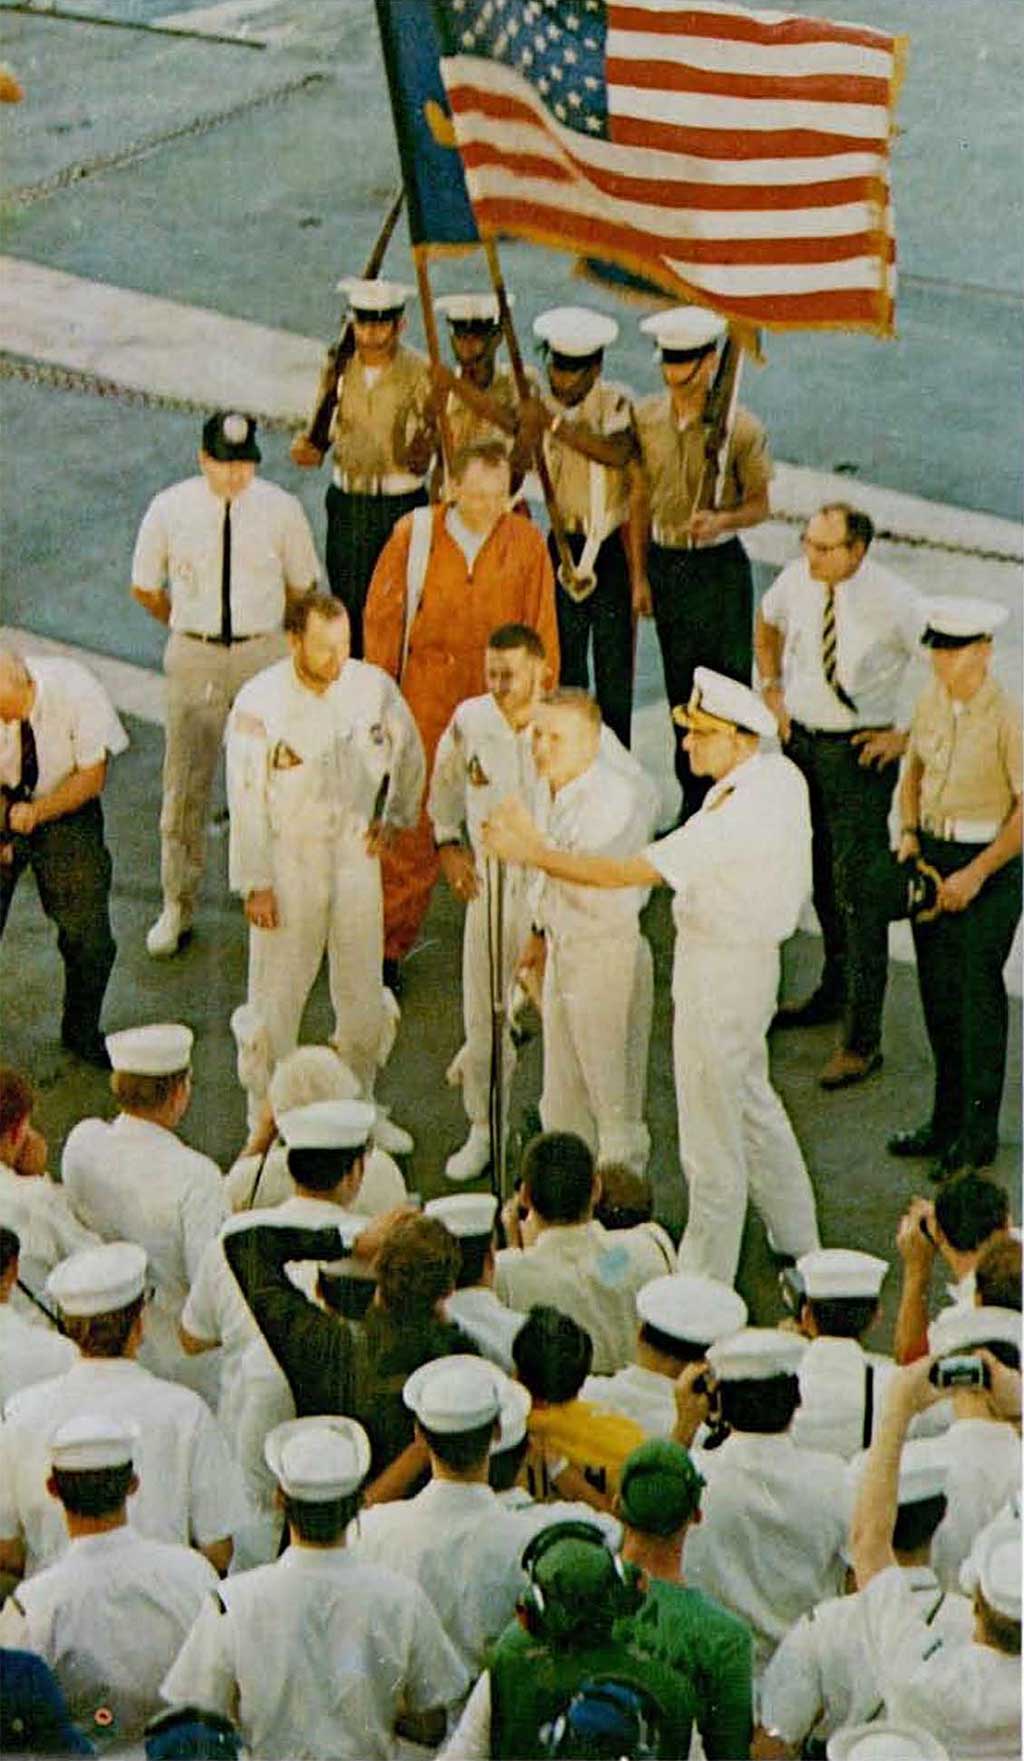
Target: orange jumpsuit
510, 583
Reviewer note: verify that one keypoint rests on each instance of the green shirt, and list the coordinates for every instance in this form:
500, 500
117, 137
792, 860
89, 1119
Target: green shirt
711, 1649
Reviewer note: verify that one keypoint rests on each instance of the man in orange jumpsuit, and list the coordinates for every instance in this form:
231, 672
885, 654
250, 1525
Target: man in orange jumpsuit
446, 578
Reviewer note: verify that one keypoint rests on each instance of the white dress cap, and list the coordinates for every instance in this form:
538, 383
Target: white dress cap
755, 1354
513, 1415
464, 1213
93, 1440
471, 308
98, 1280
328, 1125
841, 1272
993, 1566
964, 618
455, 1393
726, 700
684, 328
159, 1050
316, 1459
695, 1309
924, 1470
962, 1327
375, 296
575, 330
885, 1742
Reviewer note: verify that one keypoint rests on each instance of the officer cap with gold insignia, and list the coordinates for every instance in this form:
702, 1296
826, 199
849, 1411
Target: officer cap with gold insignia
684, 333
376, 300
230, 437
954, 622
717, 703
161, 1049
318, 1459
574, 335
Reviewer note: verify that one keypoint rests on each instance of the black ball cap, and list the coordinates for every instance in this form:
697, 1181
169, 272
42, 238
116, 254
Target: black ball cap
230, 436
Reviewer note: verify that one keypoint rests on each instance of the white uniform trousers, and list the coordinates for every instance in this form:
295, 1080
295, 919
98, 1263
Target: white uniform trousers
328, 895
735, 1140
598, 997
203, 680
479, 948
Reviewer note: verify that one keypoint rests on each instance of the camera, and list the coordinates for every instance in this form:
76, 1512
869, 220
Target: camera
965, 1371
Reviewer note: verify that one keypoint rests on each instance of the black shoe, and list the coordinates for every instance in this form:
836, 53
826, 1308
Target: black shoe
922, 1141
391, 976
91, 1050
820, 1007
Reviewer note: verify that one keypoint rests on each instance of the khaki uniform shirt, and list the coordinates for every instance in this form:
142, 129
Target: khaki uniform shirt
970, 753
608, 410
673, 463
467, 427
376, 417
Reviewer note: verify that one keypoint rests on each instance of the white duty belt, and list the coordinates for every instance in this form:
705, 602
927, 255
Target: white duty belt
962, 831
390, 483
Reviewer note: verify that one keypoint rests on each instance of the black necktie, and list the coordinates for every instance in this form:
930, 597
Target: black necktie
828, 650
29, 762
225, 577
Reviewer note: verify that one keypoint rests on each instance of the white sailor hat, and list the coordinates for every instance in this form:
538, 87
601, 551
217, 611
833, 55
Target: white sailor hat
575, 331
464, 1213
456, 1393
93, 1440
716, 700
382, 299
841, 1272
993, 1566
684, 330
317, 1459
328, 1125
159, 1050
98, 1280
924, 1470
756, 1353
471, 308
962, 1327
513, 1414
953, 622
695, 1309
884, 1742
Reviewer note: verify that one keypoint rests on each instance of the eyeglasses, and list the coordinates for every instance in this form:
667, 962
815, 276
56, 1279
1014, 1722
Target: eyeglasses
813, 544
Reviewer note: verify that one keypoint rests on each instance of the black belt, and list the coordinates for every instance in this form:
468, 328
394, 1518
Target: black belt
221, 641
841, 733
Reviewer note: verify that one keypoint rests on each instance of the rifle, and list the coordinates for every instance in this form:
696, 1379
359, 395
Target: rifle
716, 422
340, 352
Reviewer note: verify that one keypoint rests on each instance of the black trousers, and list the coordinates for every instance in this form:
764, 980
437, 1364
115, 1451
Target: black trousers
960, 960
72, 869
850, 805
358, 527
605, 620
703, 603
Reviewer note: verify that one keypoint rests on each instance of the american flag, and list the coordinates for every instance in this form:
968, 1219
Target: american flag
738, 158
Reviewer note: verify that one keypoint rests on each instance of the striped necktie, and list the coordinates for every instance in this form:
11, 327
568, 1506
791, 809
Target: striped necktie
828, 649
226, 632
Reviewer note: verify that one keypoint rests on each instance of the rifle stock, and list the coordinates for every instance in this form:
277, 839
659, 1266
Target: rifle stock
340, 352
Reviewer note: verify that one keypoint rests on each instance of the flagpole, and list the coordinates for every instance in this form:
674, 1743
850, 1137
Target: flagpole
419, 257
567, 568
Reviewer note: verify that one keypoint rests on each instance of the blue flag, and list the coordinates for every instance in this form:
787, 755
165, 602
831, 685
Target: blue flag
435, 188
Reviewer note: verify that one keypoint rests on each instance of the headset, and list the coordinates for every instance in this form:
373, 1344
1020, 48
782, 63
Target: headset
545, 1614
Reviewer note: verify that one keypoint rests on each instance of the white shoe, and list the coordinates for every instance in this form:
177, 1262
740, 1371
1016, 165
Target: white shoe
165, 937
390, 1137
469, 1162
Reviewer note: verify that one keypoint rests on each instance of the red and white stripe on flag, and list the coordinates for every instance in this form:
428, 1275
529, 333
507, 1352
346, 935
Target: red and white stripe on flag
743, 163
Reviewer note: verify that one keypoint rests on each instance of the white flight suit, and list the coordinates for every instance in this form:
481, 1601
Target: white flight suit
132, 1180
461, 1547
315, 1655
822, 1677
741, 870
966, 1693
598, 974
190, 1490
110, 1617
307, 774
837, 1413
773, 1523
480, 761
